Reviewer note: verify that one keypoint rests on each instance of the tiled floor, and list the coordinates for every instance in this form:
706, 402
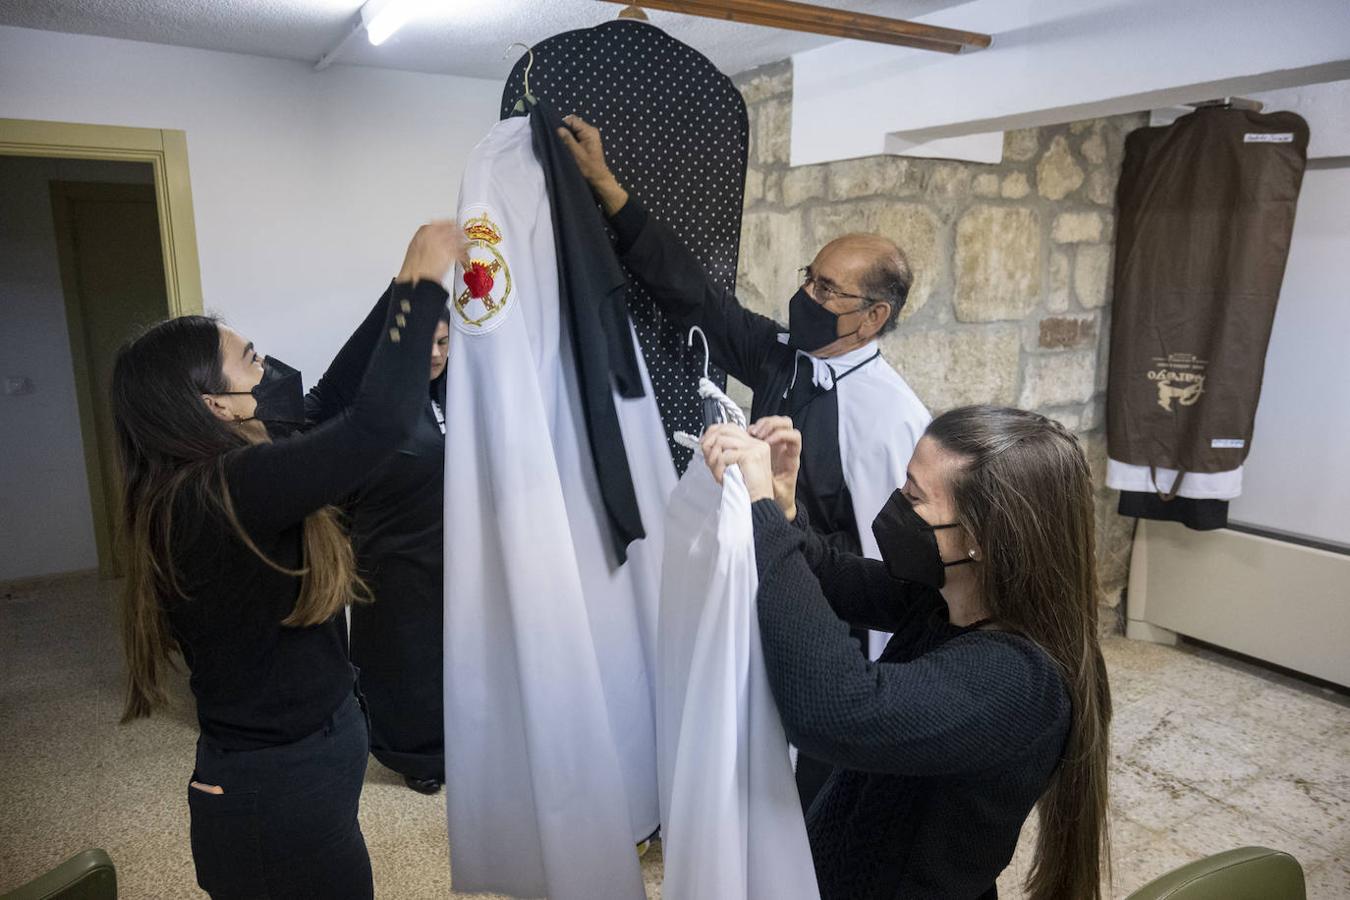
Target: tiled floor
1211, 754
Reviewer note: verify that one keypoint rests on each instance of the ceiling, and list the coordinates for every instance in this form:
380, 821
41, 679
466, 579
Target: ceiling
458, 37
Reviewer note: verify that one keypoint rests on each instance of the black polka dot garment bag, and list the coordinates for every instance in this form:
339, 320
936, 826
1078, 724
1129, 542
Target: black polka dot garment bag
676, 135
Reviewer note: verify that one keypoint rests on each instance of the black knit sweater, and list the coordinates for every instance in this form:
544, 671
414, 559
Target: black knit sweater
941, 747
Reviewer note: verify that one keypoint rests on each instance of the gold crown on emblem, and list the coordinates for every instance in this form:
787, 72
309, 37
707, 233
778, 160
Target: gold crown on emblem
482, 229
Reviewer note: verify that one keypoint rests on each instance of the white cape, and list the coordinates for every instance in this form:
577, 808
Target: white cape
733, 827
549, 648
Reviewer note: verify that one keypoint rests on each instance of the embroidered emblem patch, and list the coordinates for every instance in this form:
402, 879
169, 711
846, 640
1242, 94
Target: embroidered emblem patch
485, 286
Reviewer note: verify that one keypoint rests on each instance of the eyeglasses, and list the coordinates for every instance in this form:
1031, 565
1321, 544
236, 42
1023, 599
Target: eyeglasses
809, 279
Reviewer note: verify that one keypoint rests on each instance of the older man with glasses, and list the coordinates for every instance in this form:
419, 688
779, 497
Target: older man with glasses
858, 418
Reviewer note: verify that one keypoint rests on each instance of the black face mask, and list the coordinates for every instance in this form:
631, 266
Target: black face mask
281, 399
810, 325
909, 544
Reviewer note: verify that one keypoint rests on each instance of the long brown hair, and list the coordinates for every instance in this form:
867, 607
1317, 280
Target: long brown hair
1025, 493
169, 442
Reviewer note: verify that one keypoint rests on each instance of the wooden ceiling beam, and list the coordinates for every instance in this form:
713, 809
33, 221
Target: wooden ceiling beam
804, 17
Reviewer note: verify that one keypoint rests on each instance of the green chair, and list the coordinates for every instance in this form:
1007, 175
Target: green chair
85, 876
1249, 873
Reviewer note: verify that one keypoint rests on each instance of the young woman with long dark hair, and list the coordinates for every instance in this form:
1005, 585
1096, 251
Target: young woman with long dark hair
991, 698
237, 561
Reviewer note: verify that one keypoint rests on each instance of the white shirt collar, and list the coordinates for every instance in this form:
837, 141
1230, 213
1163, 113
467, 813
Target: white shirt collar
825, 371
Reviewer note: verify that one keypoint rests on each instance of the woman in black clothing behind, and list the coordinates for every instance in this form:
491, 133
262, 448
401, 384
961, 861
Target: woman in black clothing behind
991, 697
396, 523
236, 560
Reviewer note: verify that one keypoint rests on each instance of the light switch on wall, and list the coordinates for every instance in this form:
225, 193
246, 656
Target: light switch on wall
15, 387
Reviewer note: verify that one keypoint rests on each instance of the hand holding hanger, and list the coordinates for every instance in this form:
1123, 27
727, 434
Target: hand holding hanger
768, 454
725, 444
583, 140
785, 452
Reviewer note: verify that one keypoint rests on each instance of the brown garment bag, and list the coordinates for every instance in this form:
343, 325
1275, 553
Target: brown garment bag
1205, 209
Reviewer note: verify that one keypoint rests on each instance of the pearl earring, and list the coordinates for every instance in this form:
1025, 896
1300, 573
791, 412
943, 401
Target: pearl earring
971, 554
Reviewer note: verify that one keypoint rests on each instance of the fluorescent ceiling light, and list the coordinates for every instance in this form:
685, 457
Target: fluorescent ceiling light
383, 17
378, 19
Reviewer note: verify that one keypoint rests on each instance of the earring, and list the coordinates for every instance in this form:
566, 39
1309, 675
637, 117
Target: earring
971, 554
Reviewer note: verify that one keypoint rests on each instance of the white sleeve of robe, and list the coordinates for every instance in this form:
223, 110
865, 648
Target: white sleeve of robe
732, 821
1195, 486
549, 647
880, 421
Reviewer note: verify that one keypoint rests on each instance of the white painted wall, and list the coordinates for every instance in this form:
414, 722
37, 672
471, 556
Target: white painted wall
45, 521
1325, 106
1297, 477
1058, 61
306, 186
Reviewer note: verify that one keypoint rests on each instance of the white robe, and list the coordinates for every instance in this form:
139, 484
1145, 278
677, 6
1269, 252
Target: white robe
732, 821
549, 648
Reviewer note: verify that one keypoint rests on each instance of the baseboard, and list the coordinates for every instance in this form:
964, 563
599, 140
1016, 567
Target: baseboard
19, 585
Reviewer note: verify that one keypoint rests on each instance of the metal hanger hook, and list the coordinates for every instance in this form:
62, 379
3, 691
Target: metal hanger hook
690, 342
529, 65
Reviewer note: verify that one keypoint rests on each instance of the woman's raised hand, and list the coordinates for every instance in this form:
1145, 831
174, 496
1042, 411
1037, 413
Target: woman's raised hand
433, 250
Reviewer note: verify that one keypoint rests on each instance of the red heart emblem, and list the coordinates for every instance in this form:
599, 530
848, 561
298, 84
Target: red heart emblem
478, 279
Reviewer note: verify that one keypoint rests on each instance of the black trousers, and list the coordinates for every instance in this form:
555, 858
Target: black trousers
286, 825
396, 642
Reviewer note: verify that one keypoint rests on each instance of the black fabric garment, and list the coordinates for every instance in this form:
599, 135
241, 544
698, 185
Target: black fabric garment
396, 525
675, 132
942, 747
286, 825
591, 287
1201, 515
812, 774
258, 682
822, 492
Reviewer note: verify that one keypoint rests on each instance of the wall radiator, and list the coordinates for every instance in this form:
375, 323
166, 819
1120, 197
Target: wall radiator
1280, 601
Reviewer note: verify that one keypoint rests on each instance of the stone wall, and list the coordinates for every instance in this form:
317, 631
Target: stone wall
1010, 303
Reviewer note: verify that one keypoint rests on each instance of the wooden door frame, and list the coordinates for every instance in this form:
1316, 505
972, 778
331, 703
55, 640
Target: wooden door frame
102, 503
166, 152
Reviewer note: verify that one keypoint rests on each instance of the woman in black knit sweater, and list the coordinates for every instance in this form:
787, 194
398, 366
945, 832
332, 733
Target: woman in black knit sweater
991, 697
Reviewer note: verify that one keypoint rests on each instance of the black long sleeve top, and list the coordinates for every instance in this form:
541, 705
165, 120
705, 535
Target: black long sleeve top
941, 747
747, 345
258, 682
397, 511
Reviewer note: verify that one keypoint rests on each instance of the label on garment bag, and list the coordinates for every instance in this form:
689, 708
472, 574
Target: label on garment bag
1227, 444
1256, 137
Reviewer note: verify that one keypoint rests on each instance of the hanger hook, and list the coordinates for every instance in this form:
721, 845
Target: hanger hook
690, 342
529, 65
